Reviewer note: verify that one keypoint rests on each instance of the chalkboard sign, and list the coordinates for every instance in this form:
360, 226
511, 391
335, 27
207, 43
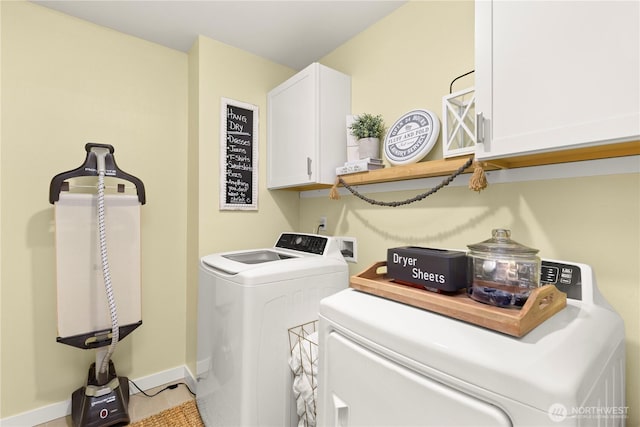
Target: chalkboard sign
238, 155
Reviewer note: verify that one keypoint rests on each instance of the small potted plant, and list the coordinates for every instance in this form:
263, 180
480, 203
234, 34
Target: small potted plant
369, 129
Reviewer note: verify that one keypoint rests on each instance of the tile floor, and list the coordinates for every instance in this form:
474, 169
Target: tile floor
140, 406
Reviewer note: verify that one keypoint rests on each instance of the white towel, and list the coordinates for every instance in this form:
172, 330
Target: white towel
305, 355
304, 364
306, 397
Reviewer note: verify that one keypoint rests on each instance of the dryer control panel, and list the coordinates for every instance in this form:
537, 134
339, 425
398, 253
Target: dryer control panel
309, 243
566, 277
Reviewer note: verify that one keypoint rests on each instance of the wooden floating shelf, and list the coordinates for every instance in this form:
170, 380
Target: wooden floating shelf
442, 167
445, 167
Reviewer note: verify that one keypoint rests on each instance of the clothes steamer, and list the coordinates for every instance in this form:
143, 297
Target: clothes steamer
98, 276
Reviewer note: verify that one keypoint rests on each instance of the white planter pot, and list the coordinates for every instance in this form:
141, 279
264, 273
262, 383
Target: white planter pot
369, 147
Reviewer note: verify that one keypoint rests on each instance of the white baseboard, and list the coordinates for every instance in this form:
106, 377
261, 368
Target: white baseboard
62, 409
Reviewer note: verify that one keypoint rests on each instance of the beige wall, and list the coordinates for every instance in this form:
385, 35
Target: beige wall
231, 73
66, 82
407, 61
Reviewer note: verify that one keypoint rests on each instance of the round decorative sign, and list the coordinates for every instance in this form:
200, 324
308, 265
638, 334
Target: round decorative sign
411, 137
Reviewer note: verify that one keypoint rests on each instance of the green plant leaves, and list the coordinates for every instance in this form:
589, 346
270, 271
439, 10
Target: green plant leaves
368, 126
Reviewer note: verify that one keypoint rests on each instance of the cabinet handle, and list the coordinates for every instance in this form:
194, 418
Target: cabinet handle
309, 167
480, 128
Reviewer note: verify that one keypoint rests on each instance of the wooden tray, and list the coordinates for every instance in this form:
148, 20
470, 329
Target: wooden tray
542, 303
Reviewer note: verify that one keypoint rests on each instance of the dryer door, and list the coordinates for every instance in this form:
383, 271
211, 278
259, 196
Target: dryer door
362, 388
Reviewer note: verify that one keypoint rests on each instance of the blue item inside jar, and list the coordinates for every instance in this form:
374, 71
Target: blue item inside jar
497, 297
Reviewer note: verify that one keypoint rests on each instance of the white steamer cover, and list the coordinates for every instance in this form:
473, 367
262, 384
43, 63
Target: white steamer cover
82, 302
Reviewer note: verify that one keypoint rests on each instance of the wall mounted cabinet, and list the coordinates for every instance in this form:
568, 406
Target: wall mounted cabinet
555, 82
307, 128
556, 75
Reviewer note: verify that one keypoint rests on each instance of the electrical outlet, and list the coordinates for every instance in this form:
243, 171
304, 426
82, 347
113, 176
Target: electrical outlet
322, 223
349, 248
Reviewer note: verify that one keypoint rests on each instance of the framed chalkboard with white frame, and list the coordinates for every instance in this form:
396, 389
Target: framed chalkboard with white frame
238, 155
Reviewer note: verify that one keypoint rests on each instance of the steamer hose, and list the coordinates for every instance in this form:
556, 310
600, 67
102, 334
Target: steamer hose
106, 273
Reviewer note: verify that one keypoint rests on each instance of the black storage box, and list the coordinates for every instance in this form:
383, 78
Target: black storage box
434, 269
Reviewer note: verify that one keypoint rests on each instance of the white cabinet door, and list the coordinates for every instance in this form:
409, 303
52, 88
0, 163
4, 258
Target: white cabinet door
307, 127
556, 74
293, 131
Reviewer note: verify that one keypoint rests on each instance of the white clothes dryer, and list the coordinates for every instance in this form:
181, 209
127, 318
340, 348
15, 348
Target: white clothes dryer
383, 363
247, 301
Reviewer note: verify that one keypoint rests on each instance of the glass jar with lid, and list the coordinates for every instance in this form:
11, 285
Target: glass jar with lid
503, 271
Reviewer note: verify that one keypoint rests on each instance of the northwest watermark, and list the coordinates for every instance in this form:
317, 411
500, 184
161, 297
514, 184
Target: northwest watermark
559, 412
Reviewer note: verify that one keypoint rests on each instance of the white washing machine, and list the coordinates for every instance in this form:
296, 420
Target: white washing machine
383, 363
247, 301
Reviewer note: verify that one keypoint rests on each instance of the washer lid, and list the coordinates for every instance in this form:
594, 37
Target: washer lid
238, 261
256, 257
264, 266
294, 255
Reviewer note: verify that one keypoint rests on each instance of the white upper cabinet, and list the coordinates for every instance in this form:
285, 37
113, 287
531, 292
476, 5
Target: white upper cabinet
556, 75
307, 128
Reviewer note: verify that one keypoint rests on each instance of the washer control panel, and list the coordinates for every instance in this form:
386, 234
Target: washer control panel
309, 243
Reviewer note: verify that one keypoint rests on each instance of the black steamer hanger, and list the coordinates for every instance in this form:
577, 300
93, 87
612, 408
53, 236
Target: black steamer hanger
90, 168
